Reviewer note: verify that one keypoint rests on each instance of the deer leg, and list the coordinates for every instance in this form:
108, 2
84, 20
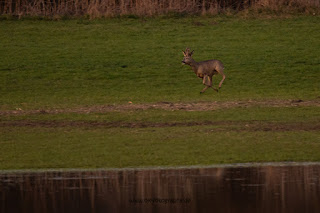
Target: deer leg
207, 80
204, 81
223, 77
204, 89
210, 84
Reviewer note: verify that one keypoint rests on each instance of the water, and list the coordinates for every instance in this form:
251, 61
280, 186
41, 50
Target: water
221, 189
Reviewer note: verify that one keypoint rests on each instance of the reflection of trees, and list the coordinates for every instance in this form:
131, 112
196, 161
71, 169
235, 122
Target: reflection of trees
292, 189
269, 189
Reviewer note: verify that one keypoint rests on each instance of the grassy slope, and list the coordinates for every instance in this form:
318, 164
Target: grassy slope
117, 147
97, 147
48, 64
63, 64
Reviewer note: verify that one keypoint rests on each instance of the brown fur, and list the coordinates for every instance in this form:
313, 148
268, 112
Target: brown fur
204, 69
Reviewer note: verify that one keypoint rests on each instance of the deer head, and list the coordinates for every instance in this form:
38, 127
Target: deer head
187, 56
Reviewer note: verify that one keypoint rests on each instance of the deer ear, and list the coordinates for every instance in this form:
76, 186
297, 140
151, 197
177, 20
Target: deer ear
191, 53
183, 53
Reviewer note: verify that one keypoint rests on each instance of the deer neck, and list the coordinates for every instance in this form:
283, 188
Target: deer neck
194, 65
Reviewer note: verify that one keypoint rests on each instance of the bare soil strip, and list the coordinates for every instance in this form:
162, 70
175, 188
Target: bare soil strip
218, 125
192, 106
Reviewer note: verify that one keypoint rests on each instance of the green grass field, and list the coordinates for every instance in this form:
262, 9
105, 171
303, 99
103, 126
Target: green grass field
54, 73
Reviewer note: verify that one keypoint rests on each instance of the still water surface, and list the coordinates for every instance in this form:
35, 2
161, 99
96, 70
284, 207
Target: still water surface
293, 188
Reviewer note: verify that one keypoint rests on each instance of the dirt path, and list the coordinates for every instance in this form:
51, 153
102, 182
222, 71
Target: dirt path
192, 106
218, 125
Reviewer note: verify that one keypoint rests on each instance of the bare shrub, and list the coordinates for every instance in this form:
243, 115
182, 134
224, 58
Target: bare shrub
110, 8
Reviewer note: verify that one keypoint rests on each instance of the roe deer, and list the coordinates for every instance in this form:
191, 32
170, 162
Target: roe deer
204, 69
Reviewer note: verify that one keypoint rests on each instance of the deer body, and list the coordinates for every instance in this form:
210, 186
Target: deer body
205, 69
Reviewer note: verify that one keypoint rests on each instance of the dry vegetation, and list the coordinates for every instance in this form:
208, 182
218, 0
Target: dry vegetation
111, 8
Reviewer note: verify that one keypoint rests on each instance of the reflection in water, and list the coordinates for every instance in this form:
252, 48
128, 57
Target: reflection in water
230, 189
